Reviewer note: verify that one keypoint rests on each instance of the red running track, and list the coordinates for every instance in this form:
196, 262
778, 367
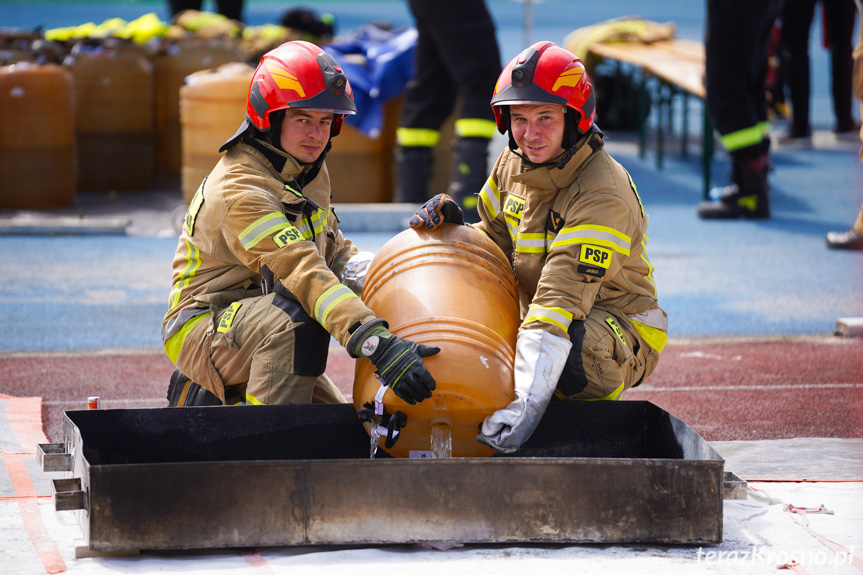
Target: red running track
725, 389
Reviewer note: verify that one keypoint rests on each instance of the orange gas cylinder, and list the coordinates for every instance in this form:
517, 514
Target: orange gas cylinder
452, 288
37, 136
212, 107
115, 115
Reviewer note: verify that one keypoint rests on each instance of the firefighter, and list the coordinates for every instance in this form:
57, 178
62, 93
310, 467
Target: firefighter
262, 274
736, 42
570, 219
456, 59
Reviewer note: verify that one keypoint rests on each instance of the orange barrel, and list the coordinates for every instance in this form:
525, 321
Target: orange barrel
115, 117
212, 107
174, 61
360, 166
37, 136
452, 288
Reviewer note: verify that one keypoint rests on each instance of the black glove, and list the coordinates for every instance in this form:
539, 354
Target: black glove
399, 365
436, 211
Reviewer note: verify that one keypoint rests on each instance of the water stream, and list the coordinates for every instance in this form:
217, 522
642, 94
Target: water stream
441, 441
374, 434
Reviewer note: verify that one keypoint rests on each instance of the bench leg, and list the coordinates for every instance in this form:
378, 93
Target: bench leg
660, 120
684, 128
641, 115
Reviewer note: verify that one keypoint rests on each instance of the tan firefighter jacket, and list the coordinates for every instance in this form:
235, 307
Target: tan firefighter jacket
249, 225
576, 239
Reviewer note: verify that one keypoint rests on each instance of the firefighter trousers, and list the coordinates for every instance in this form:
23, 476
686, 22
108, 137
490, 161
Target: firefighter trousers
267, 347
608, 356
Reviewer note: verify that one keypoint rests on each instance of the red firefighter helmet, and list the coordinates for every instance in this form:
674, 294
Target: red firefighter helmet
545, 73
296, 75
299, 75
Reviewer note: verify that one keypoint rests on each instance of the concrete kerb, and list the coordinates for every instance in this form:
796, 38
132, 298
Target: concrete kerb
152, 214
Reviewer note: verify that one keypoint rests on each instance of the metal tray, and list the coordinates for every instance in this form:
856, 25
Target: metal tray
247, 476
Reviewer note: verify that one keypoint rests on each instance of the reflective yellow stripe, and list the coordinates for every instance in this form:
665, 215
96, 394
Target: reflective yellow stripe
654, 337
475, 128
490, 197
193, 262
635, 190
194, 208
417, 137
650, 268
594, 234
330, 299
319, 218
746, 137
532, 243
251, 399
553, 315
512, 228
317, 224
175, 342
181, 401
261, 228
613, 396
748, 202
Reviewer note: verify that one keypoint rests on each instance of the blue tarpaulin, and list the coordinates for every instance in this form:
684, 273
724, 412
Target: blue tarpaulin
378, 64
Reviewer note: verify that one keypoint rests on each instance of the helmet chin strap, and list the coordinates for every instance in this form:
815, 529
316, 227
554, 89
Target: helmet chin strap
514, 147
314, 167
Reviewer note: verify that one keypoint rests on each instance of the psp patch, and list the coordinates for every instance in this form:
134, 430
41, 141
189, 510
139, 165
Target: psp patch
514, 207
228, 317
287, 235
616, 329
594, 260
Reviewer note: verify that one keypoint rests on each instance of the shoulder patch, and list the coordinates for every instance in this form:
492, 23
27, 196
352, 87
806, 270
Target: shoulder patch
594, 260
287, 235
595, 256
554, 223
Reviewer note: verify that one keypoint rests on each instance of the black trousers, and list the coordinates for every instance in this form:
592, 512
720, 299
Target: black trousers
457, 55
736, 39
796, 24
233, 9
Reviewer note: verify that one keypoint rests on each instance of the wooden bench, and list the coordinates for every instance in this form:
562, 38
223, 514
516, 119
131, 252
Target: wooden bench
668, 68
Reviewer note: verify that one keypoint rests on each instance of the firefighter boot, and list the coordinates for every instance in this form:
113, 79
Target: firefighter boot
747, 197
469, 174
183, 392
413, 173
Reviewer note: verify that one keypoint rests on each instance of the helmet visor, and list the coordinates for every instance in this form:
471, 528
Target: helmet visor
326, 101
513, 95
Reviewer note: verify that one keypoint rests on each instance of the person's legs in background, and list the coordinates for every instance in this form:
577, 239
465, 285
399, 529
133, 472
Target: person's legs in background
457, 59
796, 24
736, 67
430, 97
840, 16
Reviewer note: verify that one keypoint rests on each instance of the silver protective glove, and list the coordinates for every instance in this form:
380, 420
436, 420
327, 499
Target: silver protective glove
539, 361
353, 274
